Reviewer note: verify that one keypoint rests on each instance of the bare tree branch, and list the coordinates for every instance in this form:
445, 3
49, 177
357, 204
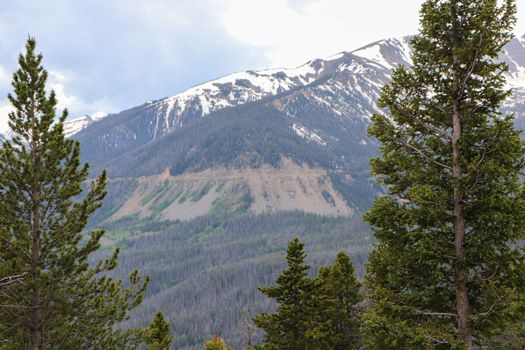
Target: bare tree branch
12, 279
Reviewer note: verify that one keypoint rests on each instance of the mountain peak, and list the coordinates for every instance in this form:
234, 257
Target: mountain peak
73, 126
388, 53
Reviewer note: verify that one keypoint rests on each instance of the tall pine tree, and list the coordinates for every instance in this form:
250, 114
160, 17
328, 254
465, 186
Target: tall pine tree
63, 302
336, 313
449, 264
286, 328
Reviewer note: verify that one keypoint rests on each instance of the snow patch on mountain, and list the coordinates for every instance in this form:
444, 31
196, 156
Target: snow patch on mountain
71, 127
373, 53
388, 53
304, 133
514, 56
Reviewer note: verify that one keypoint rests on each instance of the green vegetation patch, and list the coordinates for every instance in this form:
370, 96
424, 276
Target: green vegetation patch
237, 199
210, 230
220, 206
157, 191
220, 185
328, 198
202, 192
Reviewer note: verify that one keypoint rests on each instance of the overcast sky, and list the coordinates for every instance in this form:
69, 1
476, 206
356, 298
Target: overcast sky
107, 55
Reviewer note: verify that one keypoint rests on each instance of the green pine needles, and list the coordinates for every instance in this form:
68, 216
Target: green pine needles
312, 313
449, 264
62, 302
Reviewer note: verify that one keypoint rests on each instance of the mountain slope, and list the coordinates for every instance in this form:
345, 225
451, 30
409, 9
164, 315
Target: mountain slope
130, 129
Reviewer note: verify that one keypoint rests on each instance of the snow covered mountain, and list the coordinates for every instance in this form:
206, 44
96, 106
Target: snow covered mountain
514, 55
373, 61
346, 85
316, 114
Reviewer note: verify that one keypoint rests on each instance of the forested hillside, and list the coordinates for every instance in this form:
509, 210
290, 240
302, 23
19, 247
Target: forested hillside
205, 272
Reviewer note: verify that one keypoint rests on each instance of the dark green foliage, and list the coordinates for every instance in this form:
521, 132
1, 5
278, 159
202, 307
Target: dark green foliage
247, 136
449, 262
357, 189
328, 197
336, 322
287, 328
317, 314
158, 335
63, 302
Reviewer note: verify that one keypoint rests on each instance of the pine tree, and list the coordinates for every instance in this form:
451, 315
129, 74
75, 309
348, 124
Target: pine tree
449, 263
336, 324
286, 328
64, 301
158, 335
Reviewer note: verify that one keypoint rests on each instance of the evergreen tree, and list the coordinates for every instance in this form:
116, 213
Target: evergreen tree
216, 343
449, 262
286, 328
336, 324
64, 302
158, 335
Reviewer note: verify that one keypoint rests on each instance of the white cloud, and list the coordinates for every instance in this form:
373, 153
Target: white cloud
294, 31
290, 35
58, 81
5, 109
5, 78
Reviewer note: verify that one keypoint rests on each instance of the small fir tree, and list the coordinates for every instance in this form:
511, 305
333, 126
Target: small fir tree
64, 302
449, 263
336, 322
158, 335
286, 328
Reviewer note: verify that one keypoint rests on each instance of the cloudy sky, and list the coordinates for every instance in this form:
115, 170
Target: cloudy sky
107, 55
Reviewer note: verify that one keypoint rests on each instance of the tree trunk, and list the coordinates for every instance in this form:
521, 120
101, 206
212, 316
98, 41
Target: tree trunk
462, 302
37, 341
36, 317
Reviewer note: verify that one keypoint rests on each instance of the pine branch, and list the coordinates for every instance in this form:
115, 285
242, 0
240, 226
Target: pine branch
438, 314
422, 154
